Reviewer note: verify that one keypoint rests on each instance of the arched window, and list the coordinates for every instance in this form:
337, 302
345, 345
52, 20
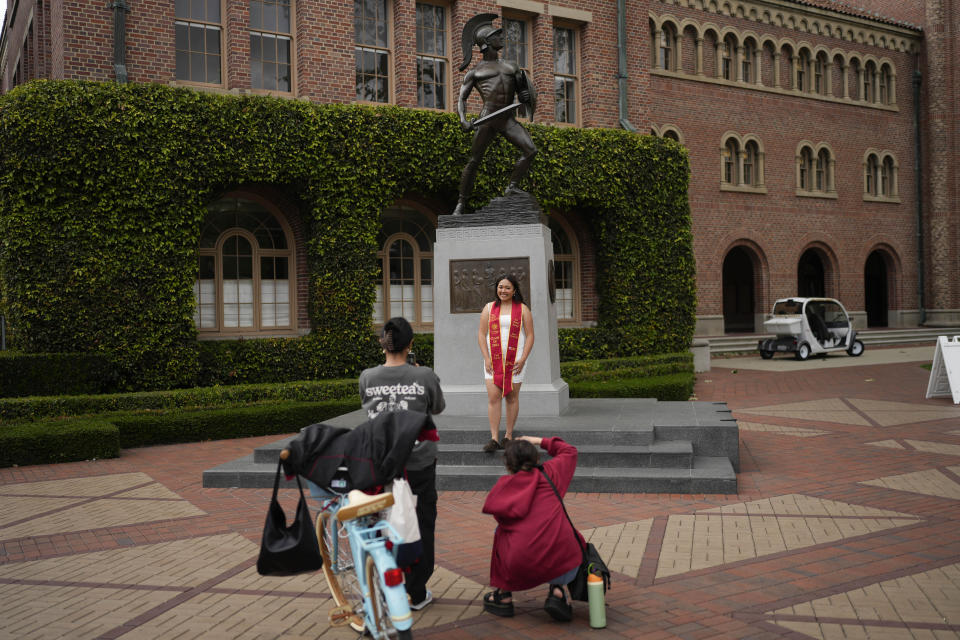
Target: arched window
869, 82
731, 162
823, 171
566, 270
806, 169
887, 175
729, 46
671, 134
667, 48
751, 164
872, 174
244, 286
886, 85
746, 63
803, 63
404, 286
819, 80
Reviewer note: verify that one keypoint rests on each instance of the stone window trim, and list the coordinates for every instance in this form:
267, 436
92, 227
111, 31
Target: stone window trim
572, 258
815, 58
816, 171
881, 176
292, 63
671, 131
424, 221
446, 58
750, 153
575, 30
389, 50
220, 26
383, 255
220, 332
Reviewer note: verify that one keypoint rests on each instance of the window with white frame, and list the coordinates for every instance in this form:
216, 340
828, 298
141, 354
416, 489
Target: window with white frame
244, 284
270, 38
565, 74
433, 64
372, 54
566, 270
198, 41
404, 285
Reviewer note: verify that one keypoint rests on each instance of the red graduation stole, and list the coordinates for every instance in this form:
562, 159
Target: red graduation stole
503, 366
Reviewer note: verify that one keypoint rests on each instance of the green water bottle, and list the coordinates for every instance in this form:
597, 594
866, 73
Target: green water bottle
598, 612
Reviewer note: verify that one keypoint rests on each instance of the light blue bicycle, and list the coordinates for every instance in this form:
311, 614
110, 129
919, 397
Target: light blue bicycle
359, 562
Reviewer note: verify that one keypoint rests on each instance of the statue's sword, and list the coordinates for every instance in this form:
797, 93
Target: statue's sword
499, 112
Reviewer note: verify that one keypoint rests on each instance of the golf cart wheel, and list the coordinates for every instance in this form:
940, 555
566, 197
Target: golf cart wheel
855, 349
766, 355
803, 351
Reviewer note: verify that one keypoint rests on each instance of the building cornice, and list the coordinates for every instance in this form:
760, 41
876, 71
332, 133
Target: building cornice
805, 17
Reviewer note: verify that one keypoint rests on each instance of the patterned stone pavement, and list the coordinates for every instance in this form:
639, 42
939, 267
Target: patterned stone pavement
846, 526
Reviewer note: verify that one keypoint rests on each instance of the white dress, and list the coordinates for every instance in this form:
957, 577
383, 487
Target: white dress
504, 338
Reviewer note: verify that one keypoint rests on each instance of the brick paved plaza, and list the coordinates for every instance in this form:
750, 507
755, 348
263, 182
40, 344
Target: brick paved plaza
846, 526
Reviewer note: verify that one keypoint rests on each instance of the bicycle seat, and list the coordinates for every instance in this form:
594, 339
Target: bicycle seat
362, 504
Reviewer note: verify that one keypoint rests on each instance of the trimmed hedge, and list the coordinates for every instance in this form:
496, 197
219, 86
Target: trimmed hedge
221, 424
675, 386
62, 441
33, 408
640, 365
286, 359
40, 374
104, 189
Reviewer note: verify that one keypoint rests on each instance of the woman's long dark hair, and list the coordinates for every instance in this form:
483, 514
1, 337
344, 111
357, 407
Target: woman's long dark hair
520, 455
517, 296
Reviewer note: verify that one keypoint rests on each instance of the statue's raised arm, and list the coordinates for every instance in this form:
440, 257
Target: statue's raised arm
498, 82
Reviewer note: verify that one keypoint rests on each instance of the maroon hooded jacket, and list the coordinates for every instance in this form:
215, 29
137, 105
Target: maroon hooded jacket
534, 542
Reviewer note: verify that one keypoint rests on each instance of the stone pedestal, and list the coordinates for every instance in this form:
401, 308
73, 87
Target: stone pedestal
471, 254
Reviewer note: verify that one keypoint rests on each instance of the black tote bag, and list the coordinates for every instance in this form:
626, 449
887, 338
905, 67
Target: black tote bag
285, 551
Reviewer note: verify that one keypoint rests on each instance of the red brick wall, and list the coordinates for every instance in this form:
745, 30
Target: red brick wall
778, 226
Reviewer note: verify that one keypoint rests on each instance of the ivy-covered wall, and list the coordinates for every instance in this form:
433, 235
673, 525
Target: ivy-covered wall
103, 188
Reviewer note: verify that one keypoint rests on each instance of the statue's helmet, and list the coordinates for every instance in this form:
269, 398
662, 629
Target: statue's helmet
482, 35
477, 32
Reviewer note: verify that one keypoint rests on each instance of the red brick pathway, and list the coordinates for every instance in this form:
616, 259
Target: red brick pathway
843, 527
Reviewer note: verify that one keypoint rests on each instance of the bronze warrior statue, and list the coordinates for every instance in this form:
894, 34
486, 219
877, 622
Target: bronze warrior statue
497, 81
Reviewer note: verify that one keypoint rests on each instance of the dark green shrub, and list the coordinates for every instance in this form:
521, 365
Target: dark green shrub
40, 374
104, 186
220, 424
675, 386
59, 441
638, 365
582, 343
20, 409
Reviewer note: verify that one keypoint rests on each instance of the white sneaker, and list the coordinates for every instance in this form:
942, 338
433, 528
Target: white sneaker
420, 605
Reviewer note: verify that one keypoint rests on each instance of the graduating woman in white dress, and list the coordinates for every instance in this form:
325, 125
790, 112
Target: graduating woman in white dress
506, 339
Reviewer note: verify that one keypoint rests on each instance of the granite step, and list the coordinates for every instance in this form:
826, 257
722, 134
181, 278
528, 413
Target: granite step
709, 474
625, 445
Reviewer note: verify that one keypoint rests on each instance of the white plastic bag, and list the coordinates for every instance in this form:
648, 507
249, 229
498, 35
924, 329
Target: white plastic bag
402, 516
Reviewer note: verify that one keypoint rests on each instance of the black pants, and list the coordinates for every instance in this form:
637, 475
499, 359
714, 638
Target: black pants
423, 483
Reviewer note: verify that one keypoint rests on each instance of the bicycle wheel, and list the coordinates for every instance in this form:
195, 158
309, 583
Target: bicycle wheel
344, 586
381, 614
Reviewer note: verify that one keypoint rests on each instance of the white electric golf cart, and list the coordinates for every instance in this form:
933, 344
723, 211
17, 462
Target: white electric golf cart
808, 326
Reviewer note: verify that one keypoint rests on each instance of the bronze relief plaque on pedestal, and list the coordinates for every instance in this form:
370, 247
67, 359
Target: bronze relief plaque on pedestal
472, 282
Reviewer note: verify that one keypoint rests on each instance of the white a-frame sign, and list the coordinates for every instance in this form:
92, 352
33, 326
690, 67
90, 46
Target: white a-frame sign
945, 374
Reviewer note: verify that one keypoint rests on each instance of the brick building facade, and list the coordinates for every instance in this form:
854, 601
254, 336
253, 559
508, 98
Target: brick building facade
800, 117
